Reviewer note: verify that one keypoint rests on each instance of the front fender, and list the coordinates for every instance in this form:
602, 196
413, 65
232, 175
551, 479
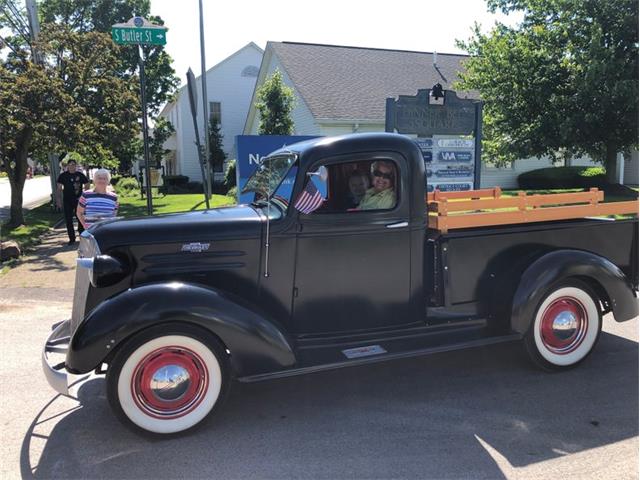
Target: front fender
256, 344
560, 264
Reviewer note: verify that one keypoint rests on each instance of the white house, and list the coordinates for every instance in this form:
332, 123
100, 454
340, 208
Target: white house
343, 89
230, 85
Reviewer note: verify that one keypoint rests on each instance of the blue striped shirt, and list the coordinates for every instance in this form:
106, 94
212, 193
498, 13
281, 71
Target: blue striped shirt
98, 206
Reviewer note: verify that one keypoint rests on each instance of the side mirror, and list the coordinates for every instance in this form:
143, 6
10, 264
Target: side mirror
322, 173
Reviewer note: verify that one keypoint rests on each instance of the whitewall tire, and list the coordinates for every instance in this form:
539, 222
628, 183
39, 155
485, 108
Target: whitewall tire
167, 382
565, 328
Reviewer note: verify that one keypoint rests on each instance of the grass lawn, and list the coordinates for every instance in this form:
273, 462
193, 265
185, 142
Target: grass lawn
37, 222
41, 219
134, 206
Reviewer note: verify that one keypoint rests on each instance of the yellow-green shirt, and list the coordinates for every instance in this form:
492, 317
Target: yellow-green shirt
378, 201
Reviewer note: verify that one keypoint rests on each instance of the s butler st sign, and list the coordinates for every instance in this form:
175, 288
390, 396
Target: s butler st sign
138, 31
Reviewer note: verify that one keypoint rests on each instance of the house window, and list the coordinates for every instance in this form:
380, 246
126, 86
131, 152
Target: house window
215, 111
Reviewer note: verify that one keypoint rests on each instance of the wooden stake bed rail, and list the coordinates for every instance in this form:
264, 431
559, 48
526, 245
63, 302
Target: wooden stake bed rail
452, 210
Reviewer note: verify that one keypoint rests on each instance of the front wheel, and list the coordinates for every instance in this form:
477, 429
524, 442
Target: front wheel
168, 378
566, 327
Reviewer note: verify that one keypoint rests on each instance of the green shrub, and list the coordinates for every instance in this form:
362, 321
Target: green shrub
230, 174
127, 187
233, 193
174, 184
176, 180
563, 177
194, 187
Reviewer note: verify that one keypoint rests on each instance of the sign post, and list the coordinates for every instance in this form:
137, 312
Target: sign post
139, 31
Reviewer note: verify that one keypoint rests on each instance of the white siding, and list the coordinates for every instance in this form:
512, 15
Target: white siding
631, 168
303, 121
225, 84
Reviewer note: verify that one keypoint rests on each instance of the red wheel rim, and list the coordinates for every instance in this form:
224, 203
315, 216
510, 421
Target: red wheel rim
169, 382
564, 325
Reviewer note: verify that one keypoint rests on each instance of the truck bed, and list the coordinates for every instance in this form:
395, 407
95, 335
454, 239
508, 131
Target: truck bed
467, 265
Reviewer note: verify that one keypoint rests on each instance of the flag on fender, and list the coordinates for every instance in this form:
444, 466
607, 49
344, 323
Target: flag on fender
309, 199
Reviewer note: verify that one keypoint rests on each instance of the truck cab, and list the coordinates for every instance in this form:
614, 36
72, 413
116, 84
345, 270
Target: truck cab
333, 264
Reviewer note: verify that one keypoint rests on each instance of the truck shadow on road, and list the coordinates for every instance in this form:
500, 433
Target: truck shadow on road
459, 414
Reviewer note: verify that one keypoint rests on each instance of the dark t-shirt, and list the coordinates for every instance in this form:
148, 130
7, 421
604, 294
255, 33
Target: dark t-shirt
72, 184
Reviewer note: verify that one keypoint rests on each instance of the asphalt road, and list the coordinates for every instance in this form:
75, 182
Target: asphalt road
37, 191
480, 413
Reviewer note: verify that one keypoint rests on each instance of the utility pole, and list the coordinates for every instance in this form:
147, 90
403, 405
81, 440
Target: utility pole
205, 107
34, 31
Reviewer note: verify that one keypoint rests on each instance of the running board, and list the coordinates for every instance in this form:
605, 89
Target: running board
379, 358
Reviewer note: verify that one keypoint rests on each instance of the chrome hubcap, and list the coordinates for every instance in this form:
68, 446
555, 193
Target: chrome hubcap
169, 383
564, 325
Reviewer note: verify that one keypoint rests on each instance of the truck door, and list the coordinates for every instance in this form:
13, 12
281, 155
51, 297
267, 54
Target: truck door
353, 255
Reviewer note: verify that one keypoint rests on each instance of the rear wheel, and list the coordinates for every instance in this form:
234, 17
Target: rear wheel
168, 378
565, 328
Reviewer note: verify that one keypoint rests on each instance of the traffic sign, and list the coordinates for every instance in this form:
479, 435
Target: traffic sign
138, 31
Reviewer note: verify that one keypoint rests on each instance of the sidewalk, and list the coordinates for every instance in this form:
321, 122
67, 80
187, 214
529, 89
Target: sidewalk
46, 272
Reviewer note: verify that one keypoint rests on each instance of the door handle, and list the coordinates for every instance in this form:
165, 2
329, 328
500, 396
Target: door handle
398, 225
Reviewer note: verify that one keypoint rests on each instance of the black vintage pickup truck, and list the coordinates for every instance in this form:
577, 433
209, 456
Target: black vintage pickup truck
173, 307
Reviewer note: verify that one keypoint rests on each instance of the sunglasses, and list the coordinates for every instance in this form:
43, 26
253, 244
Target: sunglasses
386, 176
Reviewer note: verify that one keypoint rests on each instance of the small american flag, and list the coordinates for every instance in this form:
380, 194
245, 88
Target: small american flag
309, 199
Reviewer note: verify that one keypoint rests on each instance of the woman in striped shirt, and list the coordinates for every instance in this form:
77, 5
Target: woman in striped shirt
97, 204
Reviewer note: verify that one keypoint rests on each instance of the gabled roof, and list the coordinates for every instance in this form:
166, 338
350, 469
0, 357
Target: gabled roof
167, 107
347, 83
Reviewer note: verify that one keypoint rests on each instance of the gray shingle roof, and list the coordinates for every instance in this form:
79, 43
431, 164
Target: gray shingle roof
352, 83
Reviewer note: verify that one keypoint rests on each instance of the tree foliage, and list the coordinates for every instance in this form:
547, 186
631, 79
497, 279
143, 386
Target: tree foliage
161, 132
98, 16
216, 153
73, 100
275, 102
564, 82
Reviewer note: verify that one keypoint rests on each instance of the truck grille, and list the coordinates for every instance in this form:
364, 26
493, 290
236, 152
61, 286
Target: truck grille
88, 248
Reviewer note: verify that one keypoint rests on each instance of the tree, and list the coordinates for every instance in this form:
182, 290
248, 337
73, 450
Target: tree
161, 132
216, 153
562, 83
275, 102
98, 16
73, 100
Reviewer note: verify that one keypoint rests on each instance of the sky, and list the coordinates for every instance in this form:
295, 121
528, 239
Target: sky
401, 24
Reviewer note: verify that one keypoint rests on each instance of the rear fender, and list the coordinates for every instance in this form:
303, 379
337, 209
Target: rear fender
256, 343
561, 264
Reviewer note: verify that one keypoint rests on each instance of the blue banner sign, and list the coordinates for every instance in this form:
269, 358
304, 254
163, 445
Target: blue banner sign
252, 149
454, 156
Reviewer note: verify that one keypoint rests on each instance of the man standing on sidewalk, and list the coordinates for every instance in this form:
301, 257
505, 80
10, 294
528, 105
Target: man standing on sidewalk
70, 187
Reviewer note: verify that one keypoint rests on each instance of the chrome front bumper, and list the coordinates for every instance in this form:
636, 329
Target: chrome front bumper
54, 355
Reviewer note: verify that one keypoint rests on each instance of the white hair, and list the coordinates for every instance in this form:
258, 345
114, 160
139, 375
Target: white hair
103, 172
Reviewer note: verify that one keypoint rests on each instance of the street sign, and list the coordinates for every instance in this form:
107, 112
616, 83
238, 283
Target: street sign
138, 31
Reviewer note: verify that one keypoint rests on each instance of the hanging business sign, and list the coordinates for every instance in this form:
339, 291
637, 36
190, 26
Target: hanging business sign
449, 132
252, 149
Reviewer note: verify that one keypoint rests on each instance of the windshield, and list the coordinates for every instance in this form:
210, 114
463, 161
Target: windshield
270, 175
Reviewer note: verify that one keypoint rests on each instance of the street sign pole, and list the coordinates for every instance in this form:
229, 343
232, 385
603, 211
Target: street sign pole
145, 131
139, 31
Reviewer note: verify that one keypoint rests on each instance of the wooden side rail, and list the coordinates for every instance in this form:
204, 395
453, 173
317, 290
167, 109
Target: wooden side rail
452, 210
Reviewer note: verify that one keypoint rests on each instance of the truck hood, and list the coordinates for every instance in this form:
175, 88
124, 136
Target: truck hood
240, 221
